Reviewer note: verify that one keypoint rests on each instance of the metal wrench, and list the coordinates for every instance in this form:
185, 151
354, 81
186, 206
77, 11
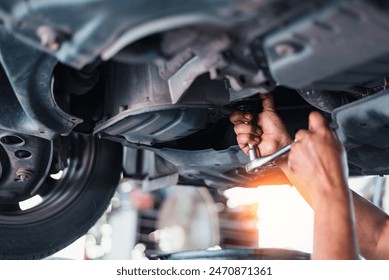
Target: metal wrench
260, 163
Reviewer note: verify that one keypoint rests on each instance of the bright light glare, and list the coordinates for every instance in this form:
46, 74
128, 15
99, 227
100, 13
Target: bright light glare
30, 203
170, 238
214, 248
241, 196
285, 219
57, 175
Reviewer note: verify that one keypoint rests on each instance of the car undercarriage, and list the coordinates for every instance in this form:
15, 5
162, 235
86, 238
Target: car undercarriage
99, 90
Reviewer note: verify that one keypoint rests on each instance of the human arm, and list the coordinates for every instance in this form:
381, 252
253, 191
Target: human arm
371, 222
266, 132
320, 178
317, 163
372, 228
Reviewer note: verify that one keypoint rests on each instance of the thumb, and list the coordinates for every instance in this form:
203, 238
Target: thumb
317, 120
267, 102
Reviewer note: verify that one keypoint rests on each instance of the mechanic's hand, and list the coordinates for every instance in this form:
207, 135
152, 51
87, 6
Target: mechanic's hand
269, 134
317, 160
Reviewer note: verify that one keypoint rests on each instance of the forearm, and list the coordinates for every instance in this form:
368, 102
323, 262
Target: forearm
372, 224
334, 232
372, 228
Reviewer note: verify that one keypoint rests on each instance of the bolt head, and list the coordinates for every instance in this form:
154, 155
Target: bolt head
23, 175
49, 37
285, 49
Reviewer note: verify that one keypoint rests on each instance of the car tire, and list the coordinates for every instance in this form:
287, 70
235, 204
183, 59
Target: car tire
71, 205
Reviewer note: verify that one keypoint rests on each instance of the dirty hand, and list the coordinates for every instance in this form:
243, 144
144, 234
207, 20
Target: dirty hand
268, 134
317, 160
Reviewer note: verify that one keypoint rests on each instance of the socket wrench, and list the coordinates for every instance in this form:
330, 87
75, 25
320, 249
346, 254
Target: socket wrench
257, 164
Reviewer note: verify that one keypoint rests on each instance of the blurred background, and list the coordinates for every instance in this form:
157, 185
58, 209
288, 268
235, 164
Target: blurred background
140, 224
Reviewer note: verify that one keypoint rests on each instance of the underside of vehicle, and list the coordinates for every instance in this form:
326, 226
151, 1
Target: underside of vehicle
94, 90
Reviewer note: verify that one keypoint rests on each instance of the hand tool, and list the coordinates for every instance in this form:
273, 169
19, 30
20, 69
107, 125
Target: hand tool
257, 164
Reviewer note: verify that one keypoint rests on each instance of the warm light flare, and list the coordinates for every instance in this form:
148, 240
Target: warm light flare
285, 220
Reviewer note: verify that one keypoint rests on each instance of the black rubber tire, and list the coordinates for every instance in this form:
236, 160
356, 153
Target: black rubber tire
79, 210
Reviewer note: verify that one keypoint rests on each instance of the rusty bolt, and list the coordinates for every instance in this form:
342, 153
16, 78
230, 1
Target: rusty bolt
23, 174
